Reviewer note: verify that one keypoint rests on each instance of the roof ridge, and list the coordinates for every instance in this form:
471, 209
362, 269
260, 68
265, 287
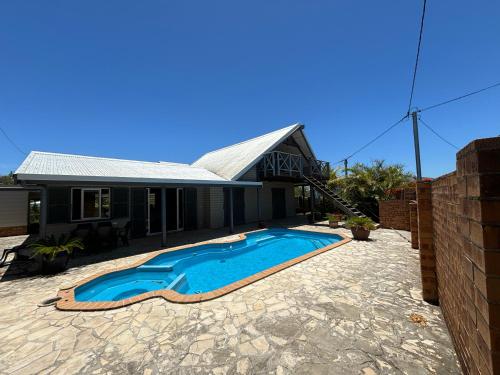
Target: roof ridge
248, 140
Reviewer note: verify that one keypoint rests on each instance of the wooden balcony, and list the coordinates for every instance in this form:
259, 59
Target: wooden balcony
282, 165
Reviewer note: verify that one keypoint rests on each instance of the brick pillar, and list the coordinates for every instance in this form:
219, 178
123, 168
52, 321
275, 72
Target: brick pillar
478, 173
425, 234
414, 224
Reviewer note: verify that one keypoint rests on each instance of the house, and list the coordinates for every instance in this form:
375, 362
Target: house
15, 203
243, 183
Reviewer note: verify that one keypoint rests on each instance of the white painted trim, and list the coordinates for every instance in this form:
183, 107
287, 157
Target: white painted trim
148, 232
74, 178
257, 159
82, 190
179, 228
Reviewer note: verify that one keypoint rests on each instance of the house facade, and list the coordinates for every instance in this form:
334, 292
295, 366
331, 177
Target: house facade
243, 183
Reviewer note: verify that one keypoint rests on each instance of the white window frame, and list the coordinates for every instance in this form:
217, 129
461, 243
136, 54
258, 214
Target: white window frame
179, 228
149, 233
82, 190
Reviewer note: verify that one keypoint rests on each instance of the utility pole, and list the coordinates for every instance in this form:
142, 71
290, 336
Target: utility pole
345, 167
417, 145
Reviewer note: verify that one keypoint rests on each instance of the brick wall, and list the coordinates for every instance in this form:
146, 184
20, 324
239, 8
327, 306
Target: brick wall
464, 228
395, 213
13, 231
425, 242
414, 224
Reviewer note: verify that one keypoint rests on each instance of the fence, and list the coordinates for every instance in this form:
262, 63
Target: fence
459, 241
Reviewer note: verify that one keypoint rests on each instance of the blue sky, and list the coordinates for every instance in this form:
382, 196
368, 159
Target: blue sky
170, 80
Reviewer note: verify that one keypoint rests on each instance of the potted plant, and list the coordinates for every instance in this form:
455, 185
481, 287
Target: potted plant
55, 253
333, 220
360, 227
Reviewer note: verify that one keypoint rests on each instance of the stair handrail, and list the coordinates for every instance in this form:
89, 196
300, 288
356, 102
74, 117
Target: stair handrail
326, 190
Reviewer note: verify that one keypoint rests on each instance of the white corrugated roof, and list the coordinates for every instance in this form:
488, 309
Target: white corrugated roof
45, 166
233, 161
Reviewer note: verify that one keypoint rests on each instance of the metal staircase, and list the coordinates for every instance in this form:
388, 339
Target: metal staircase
340, 203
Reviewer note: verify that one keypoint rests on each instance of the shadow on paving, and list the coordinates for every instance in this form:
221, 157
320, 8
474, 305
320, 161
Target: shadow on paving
27, 268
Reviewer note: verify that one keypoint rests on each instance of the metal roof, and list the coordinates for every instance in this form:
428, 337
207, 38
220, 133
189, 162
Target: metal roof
45, 166
233, 161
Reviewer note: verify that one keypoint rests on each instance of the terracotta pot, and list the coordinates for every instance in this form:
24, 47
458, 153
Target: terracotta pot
360, 233
333, 224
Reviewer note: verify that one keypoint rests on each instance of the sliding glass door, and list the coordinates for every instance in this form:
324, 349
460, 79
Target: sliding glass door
175, 209
154, 210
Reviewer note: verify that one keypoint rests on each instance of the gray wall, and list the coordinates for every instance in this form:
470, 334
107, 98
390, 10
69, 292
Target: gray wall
210, 206
266, 201
251, 212
216, 207
13, 208
203, 201
250, 175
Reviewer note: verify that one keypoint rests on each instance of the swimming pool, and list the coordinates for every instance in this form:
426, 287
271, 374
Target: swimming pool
207, 269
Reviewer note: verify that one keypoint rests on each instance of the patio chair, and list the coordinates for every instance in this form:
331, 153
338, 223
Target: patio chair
85, 232
123, 234
106, 235
16, 250
7, 252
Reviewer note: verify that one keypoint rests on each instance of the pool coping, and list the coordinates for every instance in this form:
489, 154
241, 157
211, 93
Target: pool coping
69, 303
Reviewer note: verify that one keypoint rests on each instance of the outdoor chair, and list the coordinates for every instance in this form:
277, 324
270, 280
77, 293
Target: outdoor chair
123, 234
7, 252
106, 235
16, 251
85, 232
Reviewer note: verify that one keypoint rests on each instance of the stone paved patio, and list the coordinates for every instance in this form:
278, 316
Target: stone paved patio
343, 312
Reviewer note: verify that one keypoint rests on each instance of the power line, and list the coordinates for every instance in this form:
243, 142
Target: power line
459, 97
373, 140
417, 58
411, 93
12, 142
436, 133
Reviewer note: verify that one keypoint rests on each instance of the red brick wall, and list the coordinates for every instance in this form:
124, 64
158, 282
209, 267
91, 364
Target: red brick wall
414, 224
13, 231
425, 242
395, 213
465, 242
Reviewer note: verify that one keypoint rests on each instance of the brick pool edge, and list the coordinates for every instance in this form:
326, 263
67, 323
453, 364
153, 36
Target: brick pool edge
68, 302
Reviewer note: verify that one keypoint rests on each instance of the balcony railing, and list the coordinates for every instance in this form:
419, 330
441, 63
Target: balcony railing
319, 169
277, 163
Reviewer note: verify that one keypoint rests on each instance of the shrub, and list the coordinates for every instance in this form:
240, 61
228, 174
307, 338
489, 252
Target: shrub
360, 222
50, 247
366, 184
334, 217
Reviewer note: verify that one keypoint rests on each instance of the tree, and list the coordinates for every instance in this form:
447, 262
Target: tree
366, 184
7, 179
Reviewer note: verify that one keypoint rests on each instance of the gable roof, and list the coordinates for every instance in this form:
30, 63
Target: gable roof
233, 161
46, 166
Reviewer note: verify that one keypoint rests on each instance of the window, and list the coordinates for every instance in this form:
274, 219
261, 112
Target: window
90, 203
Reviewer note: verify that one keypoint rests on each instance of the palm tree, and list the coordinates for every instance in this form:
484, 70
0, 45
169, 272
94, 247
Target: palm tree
366, 184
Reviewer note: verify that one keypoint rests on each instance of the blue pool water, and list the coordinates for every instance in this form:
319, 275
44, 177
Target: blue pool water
206, 267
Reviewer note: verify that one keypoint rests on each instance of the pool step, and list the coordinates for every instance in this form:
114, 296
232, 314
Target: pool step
178, 282
265, 239
152, 268
321, 243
